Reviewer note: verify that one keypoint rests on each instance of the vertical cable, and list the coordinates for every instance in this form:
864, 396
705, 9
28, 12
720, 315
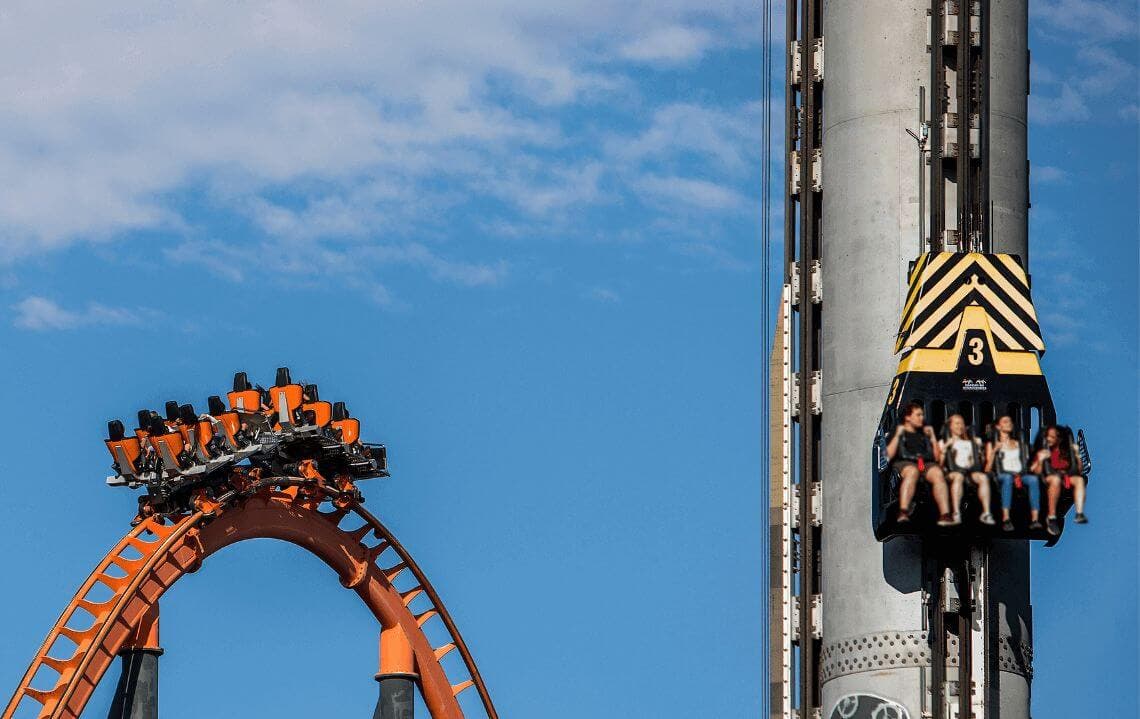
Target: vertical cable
766, 329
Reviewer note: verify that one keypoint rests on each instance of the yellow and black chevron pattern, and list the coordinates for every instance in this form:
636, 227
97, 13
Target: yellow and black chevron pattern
944, 284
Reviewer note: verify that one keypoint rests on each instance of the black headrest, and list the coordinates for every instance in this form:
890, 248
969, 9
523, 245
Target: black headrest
157, 427
144, 418
171, 410
241, 382
311, 392
187, 415
215, 405
339, 411
283, 377
115, 430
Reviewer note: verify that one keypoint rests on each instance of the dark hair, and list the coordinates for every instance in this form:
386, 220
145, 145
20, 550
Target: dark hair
1064, 441
910, 408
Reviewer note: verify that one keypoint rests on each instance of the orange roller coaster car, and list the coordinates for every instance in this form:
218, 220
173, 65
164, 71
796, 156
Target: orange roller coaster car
250, 502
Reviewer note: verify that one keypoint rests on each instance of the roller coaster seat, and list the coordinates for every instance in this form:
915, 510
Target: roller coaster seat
286, 402
343, 422
322, 412
124, 450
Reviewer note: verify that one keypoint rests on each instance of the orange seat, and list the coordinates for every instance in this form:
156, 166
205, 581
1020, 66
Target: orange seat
286, 400
248, 400
125, 452
322, 412
349, 430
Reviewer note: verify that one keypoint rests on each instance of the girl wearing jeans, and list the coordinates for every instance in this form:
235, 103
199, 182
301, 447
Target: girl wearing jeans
1006, 457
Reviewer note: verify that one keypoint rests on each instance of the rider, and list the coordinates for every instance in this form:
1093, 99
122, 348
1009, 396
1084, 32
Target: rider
915, 452
962, 457
1006, 457
1059, 462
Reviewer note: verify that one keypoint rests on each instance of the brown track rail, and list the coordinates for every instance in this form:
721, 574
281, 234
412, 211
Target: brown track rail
167, 551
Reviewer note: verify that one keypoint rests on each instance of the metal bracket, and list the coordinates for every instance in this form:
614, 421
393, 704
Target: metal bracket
817, 170
794, 280
817, 58
817, 503
816, 509
795, 394
816, 282
794, 172
796, 62
817, 392
816, 618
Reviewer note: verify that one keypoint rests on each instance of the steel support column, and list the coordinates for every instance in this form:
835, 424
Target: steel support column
136, 695
397, 676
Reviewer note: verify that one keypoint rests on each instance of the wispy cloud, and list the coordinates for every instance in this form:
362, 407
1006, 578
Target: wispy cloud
1093, 19
602, 294
1075, 89
42, 314
1049, 174
672, 44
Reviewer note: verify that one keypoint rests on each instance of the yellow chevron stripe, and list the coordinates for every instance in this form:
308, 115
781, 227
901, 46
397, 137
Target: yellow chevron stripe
915, 336
1010, 317
1019, 294
929, 296
1017, 270
915, 286
945, 361
945, 334
917, 290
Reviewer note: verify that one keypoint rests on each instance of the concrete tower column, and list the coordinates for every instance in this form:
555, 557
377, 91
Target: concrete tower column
876, 61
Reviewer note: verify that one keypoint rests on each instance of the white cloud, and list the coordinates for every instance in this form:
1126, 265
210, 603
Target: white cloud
1095, 19
668, 44
40, 313
1066, 106
602, 294
111, 111
701, 194
1048, 174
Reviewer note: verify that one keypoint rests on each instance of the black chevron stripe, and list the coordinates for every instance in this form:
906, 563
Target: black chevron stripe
929, 281
1008, 306
955, 264
1011, 308
954, 312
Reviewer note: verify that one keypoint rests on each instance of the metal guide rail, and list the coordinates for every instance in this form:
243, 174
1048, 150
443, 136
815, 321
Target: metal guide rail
185, 458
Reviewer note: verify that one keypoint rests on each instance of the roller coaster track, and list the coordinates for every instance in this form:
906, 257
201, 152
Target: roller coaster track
157, 553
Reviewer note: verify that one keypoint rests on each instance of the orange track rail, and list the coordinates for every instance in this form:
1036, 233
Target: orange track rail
154, 555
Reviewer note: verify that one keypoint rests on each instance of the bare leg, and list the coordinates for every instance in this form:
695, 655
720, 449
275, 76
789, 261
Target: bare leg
957, 480
938, 488
983, 483
1053, 493
909, 478
1079, 493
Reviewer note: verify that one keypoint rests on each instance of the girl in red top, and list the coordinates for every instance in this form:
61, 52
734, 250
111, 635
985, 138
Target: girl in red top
1058, 461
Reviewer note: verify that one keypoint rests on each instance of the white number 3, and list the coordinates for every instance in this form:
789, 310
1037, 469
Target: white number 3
976, 345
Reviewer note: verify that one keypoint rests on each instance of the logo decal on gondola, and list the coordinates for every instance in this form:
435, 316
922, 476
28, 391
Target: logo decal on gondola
867, 706
974, 385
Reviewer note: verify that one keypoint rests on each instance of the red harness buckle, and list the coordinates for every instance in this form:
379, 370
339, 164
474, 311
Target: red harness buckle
921, 465
1017, 481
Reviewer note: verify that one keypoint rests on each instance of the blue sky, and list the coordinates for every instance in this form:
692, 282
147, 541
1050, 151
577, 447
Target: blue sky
523, 244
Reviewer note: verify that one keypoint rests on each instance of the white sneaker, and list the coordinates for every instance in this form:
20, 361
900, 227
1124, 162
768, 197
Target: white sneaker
987, 518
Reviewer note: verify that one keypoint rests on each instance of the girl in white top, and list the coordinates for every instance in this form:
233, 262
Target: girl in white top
1006, 458
962, 456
